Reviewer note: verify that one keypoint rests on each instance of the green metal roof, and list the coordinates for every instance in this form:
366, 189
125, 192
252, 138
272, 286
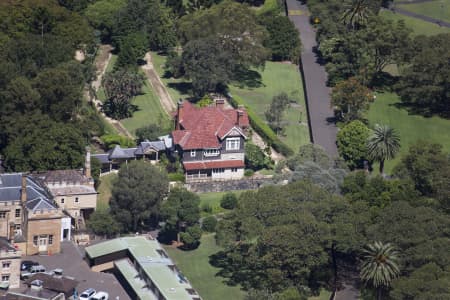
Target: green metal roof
159, 268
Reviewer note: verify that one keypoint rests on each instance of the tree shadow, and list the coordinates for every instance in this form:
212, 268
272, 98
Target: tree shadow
248, 78
182, 87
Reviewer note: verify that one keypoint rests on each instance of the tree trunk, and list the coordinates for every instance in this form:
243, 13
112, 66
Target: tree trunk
381, 167
379, 293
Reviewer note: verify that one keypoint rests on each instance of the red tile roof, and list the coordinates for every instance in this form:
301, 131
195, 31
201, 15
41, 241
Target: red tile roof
203, 165
203, 127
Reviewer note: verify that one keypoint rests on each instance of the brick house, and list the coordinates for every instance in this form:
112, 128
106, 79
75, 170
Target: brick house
210, 140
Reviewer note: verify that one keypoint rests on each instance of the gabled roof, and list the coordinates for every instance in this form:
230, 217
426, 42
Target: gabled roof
119, 152
40, 204
205, 127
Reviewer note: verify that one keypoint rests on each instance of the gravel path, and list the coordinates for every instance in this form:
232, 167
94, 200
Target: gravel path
158, 86
321, 115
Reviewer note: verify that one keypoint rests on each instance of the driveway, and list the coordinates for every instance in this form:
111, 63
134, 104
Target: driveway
71, 261
317, 93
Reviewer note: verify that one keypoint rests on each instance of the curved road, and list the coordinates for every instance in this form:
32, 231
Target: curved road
317, 93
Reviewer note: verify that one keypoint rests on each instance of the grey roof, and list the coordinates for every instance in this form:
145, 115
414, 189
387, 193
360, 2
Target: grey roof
128, 153
37, 196
167, 139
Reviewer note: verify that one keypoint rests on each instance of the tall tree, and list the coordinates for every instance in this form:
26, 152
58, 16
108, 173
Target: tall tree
379, 266
383, 144
274, 113
137, 195
356, 13
352, 143
351, 99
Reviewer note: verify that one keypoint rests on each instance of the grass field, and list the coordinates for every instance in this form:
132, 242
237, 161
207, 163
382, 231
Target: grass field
105, 189
150, 110
213, 200
195, 265
410, 127
177, 88
437, 9
274, 79
418, 26
268, 6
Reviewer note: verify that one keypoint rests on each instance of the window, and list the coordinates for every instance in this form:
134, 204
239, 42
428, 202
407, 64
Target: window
233, 170
50, 239
17, 227
193, 153
2, 214
77, 200
233, 143
5, 277
35, 240
211, 152
62, 200
6, 264
18, 213
218, 170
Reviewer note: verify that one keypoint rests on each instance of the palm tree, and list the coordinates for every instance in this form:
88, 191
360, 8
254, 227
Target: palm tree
356, 13
383, 144
379, 265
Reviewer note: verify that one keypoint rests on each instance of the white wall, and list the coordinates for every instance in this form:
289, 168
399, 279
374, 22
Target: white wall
232, 156
66, 224
227, 174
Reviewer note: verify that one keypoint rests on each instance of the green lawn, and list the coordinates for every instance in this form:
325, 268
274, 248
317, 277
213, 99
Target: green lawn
324, 295
150, 110
268, 6
276, 78
177, 88
418, 26
438, 9
410, 127
105, 189
213, 200
195, 265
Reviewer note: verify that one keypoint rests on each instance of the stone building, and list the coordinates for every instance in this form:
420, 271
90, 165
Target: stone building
9, 265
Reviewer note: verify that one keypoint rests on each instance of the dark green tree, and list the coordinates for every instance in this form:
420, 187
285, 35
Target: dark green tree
137, 195
191, 237
101, 222
255, 158
150, 132
180, 212
283, 39
352, 143
229, 201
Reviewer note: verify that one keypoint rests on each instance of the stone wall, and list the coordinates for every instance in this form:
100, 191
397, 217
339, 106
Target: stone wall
227, 185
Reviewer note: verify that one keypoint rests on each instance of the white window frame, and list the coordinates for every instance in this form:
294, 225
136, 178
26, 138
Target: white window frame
2, 214
218, 170
211, 152
17, 212
233, 143
193, 153
6, 264
77, 200
6, 277
62, 200
234, 170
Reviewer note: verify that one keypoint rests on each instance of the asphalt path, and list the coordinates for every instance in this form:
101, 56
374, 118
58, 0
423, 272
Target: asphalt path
421, 17
322, 127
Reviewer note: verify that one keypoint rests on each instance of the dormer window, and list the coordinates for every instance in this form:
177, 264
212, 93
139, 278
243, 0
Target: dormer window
193, 153
233, 143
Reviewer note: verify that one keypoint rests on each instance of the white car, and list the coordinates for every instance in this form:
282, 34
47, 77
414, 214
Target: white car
87, 294
100, 296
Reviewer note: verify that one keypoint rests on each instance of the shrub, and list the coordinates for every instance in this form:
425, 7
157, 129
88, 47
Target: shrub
248, 172
209, 224
229, 201
111, 140
176, 177
206, 208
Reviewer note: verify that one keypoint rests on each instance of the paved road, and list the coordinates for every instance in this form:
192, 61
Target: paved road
317, 93
421, 17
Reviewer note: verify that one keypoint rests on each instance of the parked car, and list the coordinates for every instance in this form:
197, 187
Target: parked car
27, 264
100, 296
87, 294
33, 270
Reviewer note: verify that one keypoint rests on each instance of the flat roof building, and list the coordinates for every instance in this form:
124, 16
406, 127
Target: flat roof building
143, 267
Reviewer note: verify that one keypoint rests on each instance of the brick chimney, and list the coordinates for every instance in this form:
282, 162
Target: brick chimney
239, 113
220, 102
179, 117
87, 163
23, 191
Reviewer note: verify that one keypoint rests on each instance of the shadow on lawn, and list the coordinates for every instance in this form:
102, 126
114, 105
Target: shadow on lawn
184, 88
247, 78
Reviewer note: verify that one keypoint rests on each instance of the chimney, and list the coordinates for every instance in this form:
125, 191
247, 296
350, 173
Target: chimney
220, 102
179, 117
240, 113
87, 163
23, 191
